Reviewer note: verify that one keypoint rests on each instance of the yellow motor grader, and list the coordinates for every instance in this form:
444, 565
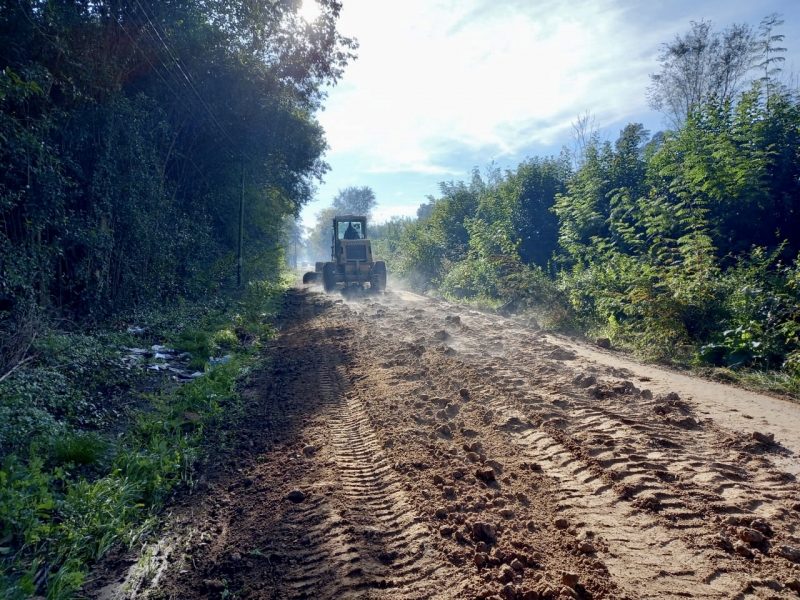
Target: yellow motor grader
351, 258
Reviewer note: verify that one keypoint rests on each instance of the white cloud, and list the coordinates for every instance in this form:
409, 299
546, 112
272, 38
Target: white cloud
471, 75
441, 86
414, 167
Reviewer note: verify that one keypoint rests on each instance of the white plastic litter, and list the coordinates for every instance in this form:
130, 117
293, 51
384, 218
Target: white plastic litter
219, 361
172, 361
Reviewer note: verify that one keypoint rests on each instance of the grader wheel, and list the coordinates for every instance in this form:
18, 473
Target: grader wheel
329, 276
378, 281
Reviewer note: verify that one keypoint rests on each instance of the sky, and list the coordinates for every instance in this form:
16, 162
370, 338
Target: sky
443, 86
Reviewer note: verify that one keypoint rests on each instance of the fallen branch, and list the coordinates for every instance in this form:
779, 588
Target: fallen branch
15, 367
21, 362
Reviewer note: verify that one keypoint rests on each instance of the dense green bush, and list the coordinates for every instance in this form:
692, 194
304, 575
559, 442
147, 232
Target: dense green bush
681, 246
761, 308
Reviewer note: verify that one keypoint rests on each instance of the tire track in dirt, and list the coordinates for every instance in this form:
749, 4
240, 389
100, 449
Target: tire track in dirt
676, 456
458, 504
688, 470
641, 553
657, 496
377, 545
724, 456
325, 563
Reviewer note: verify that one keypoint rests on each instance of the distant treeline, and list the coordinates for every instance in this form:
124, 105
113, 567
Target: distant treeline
683, 244
127, 133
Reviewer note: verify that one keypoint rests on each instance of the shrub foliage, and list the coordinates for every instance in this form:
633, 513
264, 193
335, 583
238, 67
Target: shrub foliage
682, 246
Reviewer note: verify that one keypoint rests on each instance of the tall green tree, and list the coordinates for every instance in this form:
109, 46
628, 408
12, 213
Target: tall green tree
320, 236
590, 209
355, 201
740, 163
430, 247
766, 51
532, 189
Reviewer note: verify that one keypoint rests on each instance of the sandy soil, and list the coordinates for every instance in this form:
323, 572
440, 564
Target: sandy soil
401, 447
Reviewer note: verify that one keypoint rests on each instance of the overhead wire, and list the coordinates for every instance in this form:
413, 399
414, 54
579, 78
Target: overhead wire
166, 68
155, 69
172, 55
177, 96
189, 80
175, 80
176, 61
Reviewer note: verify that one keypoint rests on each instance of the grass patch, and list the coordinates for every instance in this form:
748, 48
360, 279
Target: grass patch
199, 344
226, 339
80, 447
69, 489
778, 382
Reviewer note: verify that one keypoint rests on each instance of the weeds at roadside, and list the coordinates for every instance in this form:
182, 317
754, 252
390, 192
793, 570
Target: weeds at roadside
772, 381
81, 474
79, 447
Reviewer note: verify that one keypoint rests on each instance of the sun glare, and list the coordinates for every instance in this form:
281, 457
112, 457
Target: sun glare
309, 10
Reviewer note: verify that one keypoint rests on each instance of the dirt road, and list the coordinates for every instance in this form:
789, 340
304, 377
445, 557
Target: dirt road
401, 447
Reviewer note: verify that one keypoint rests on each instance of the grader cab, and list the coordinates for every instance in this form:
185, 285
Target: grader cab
351, 261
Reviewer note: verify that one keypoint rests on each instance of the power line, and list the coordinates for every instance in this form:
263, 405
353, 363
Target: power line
188, 78
155, 69
175, 79
185, 74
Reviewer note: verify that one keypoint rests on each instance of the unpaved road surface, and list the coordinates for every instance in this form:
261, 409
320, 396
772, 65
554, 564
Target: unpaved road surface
401, 447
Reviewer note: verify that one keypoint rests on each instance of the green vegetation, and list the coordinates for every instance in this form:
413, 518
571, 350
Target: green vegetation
129, 134
682, 246
197, 343
79, 447
89, 458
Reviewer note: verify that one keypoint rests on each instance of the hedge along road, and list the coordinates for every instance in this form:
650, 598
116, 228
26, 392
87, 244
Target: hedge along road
402, 447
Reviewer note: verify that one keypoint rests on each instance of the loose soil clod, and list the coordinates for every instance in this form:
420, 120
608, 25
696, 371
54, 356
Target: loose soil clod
604, 343
764, 438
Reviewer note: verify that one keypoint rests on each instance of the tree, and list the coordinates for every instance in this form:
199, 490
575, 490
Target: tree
294, 240
594, 204
698, 65
742, 163
430, 246
532, 190
584, 130
387, 238
355, 201
424, 211
126, 128
764, 51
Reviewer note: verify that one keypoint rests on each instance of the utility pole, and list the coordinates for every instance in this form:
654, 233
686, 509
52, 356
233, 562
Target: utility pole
241, 231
